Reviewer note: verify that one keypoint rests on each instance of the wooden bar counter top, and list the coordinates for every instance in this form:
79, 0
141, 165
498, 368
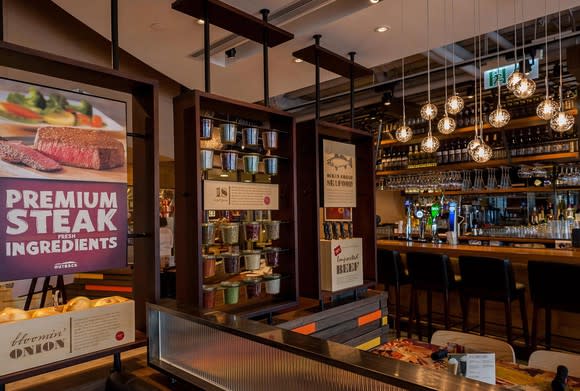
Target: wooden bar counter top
565, 326
515, 254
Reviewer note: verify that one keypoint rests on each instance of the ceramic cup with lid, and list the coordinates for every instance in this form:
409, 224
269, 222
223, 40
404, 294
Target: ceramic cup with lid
231, 262
250, 137
271, 165
208, 296
206, 159
206, 128
207, 233
252, 259
252, 231
270, 139
231, 292
209, 262
272, 283
228, 133
272, 229
272, 256
251, 162
230, 233
229, 160
253, 286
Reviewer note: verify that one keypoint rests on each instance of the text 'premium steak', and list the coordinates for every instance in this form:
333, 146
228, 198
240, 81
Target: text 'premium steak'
83, 148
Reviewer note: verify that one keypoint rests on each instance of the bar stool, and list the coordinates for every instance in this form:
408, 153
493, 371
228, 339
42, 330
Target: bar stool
492, 279
431, 273
391, 272
553, 286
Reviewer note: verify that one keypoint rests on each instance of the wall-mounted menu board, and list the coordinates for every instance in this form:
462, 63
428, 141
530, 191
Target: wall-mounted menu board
63, 181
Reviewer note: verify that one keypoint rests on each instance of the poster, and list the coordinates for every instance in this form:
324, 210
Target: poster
339, 170
63, 182
341, 264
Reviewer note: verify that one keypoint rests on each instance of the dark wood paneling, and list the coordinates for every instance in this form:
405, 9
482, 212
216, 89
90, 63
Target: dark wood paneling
234, 20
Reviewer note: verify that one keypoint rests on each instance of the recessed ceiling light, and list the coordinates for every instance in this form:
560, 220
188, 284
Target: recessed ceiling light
382, 29
298, 60
200, 21
374, 1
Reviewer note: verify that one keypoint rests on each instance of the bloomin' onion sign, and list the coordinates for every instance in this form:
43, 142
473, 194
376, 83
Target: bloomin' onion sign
63, 182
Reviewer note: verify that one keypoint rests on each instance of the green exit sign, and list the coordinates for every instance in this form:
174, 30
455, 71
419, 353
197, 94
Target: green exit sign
491, 76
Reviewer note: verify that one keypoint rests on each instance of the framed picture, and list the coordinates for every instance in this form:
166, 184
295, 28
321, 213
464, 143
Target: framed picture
338, 214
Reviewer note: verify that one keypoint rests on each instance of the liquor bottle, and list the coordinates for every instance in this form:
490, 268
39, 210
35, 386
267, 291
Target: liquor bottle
445, 154
465, 151
457, 151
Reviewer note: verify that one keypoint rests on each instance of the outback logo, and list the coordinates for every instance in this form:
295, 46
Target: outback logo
337, 251
28, 345
66, 265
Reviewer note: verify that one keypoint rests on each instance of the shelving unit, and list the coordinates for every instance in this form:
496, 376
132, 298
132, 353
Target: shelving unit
552, 158
309, 137
189, 109
513, 124
510, 190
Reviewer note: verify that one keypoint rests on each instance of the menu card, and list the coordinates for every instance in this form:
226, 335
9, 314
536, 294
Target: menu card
481, 366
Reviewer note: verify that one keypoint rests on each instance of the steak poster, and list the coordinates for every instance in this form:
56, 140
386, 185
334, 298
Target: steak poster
63, 182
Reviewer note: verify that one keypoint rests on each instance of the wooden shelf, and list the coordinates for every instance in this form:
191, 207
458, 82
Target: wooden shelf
514, 124
511, 190
332, 62
553, 157
234, 20
508, 239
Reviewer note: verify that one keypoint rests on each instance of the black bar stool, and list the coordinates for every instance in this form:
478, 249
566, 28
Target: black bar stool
431, 273
391, 272
492, 279
553, 286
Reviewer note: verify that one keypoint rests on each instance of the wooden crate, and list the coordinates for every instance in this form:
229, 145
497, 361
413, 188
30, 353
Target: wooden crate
362, 323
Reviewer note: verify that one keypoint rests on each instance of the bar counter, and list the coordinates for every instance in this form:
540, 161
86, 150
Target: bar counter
515, 254
564, 324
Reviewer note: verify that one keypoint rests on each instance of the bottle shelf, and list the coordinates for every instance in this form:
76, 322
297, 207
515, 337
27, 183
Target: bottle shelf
514, 124
510, 190
553, 157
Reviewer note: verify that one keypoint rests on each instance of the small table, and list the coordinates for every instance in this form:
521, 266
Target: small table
511, 376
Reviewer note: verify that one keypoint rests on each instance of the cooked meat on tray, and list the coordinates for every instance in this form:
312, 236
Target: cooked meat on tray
16, 152
83, 148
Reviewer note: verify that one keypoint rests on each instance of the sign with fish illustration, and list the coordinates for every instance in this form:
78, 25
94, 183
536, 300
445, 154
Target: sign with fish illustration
63, 181
339, 171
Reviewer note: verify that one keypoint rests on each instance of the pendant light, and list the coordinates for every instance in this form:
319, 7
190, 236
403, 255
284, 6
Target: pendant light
429, 110
404, 133
430, 143
455, 103
516, 76
500, 116
446, 125
480, 151
562, 121
547, 108
526, 87
476, 142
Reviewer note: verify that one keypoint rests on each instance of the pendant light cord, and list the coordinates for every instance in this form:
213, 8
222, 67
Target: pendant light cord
560, 49
497, 52
453, 44
523, 41
403, 61
475, 72
546, 50
445, 37
516, 65
428, 57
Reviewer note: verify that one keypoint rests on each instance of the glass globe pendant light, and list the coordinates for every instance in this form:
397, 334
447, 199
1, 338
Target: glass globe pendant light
482, 153
562, 121
454, 103
547, 108
499, 117
404, 133
525, 87
430, 143
429, 110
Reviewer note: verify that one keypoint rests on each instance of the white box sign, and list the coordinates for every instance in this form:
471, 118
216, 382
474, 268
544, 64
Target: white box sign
341, 264
30, 343
339, 170
220, 195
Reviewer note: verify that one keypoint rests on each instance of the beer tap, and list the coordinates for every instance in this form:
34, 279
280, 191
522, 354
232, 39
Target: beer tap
421, 215
435, 212
409, 226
